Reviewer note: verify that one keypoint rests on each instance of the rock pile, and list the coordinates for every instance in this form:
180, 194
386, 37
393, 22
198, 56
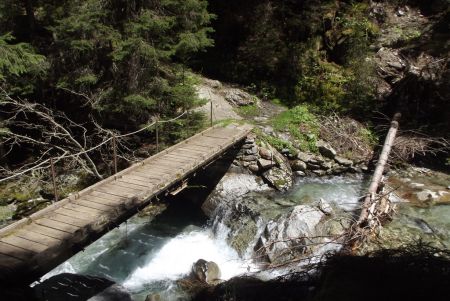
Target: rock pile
265, 161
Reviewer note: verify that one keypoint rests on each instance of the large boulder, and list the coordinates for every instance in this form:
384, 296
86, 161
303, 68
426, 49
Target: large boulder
288, 236
230, 188
72, 287
279, 176
238, 97
206, 271
325, 149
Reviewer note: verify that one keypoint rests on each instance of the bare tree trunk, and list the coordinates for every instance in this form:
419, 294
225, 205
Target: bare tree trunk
378, 173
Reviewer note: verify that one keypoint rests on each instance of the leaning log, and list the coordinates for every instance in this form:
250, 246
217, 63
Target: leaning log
370, 199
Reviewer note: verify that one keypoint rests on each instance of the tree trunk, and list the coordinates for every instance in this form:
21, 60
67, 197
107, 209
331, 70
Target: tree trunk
378, 173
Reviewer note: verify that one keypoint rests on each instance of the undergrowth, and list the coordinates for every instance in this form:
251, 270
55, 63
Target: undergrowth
301, 124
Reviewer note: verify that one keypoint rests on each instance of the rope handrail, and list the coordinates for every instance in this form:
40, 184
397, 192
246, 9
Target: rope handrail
59, 158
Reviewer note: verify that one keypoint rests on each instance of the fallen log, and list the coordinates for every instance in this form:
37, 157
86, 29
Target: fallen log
370, 200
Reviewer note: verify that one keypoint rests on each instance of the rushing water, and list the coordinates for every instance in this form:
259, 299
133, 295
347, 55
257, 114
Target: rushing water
149, 256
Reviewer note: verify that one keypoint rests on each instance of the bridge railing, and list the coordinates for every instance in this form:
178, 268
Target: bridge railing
50, 163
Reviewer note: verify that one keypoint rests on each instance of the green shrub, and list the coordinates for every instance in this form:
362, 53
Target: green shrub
301, 124
249, 111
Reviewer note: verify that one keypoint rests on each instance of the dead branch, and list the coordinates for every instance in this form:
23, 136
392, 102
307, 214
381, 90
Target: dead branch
49, 132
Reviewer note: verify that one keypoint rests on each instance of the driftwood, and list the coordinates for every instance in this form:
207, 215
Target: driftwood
370, 201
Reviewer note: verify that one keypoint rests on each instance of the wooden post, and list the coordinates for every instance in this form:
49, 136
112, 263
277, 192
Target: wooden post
55, 191
211, 113
157, 136
378, 173
114, 142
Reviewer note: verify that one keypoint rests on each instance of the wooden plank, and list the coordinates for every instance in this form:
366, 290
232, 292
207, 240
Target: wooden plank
16, 252
9, 262
153, 164
100, 200
114, 192
216, 137
39, 238
193, 151
139, 179
24, 243
104, 195
72, 213
84, 210
202, 148
94, 205
174, 158
135, 182
131, 186
183, 155
56, 225
60, 216
162, 176
47, 231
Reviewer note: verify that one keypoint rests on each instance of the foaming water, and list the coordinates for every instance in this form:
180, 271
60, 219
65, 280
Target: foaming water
174, 260
148, 257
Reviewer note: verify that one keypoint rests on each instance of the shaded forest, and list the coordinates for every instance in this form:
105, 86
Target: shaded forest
102, 67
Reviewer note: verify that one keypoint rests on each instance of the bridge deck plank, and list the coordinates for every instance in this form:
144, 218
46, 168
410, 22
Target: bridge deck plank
24, 243
86, 211
74, 219
46, 231
15, 252
56, 225
94, 205
37, 237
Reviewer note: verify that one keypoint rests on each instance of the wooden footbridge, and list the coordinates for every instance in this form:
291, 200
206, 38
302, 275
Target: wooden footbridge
33, 246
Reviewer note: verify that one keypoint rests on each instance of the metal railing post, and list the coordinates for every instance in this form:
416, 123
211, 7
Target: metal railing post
211, 113
114, 142
157, 136
55, 191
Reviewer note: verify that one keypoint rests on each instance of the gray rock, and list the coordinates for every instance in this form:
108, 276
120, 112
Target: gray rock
300, 173
319, 172
314, 166
249, 140
339, 170
231, 187
248, 145
238, 97
304, 157
251, 151
253, 168
343, 161
206, 271
266, 164
285, 151
265, 153
325, 149
299, 165
249, 158
325, 207
426, 195
279, 178
287, 237
327, 165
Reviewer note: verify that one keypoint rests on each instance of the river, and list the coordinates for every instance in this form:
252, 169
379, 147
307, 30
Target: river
149, 255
